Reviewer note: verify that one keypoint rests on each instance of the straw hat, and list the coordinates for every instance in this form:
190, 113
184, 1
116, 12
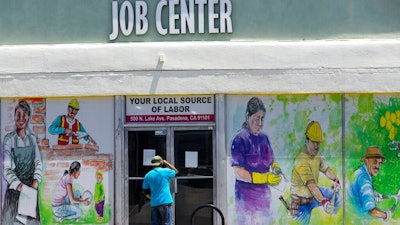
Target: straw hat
373, 152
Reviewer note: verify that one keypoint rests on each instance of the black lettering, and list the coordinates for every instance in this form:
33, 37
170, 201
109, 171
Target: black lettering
195, 100
138, 101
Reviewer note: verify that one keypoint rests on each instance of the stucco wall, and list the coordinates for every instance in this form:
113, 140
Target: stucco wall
215, 67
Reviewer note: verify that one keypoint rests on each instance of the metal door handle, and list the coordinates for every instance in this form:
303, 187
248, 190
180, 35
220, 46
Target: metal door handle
175, 185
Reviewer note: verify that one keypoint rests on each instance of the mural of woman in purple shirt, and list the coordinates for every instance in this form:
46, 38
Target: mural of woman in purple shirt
253, 162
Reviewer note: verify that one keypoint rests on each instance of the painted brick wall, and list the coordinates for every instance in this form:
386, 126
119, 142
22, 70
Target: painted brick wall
54, 167
55, 162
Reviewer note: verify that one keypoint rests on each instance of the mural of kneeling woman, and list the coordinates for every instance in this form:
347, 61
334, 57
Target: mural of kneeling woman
65, 203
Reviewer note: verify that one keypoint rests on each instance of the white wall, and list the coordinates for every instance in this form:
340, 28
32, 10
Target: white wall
200, 67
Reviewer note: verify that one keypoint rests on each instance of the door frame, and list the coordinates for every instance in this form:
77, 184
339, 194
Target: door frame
170, 156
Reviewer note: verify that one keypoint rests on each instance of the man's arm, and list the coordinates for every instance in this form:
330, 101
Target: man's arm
315, 190
38, 167
9, 164
325, 202
330, 174
55, 128
146, 192
336, 182
87, 137
378, 213
172, 167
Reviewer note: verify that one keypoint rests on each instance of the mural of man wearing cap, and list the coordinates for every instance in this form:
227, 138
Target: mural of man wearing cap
156, 188
68, 128
306, 192
361, 193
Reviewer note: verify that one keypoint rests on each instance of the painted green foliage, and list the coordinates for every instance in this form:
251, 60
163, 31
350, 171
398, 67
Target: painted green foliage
298, 110
350, 124
374, 120
285, 122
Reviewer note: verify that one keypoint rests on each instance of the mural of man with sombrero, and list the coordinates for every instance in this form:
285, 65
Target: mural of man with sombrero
361, 193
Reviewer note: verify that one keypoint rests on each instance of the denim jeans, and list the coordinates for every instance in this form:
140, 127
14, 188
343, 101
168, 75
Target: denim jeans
161, 215
68, 210
304, 214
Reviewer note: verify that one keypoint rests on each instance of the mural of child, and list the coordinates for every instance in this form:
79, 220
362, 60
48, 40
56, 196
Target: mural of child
99, 196
22, 170
361, 193
253, 160
68, 128
306, 194
64, 199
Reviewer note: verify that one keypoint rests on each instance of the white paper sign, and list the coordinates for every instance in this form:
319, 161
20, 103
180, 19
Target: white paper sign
148, 154
191, 159
27, 201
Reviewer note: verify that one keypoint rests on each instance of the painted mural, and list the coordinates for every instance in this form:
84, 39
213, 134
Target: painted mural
313, 159
22, 169
57, 154
293, 159
285, 151
372, 158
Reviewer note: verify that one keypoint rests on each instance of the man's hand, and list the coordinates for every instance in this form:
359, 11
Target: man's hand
91, 140
172, 167
388, 215
378, 196
327, 205
68, 132
336, 185
35, 184
146, 192
19, 187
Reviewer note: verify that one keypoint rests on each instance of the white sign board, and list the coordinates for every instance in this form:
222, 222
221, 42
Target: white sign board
164, 109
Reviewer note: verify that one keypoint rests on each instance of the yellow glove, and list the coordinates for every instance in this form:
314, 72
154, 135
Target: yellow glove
265, 178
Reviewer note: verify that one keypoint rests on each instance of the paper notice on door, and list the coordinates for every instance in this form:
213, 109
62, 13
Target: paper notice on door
27, 201
191, 159
148, 154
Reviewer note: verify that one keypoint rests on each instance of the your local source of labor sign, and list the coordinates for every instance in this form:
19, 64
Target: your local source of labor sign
161, 109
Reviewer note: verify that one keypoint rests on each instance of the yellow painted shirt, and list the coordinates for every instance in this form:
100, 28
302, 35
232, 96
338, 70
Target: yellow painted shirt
306, 168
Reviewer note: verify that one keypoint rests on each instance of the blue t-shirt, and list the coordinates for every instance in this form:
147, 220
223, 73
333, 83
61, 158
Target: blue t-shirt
157, 180
361, 192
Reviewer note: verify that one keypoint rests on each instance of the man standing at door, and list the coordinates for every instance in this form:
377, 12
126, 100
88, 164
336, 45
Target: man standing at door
156, 188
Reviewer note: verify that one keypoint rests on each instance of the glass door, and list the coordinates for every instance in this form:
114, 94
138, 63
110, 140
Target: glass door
139, 143
190, 150
193, 153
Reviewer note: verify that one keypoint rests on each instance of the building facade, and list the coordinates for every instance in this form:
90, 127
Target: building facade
174, 78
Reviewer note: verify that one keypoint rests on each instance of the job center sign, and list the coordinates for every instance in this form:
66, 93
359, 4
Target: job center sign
164, 109
172, 17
